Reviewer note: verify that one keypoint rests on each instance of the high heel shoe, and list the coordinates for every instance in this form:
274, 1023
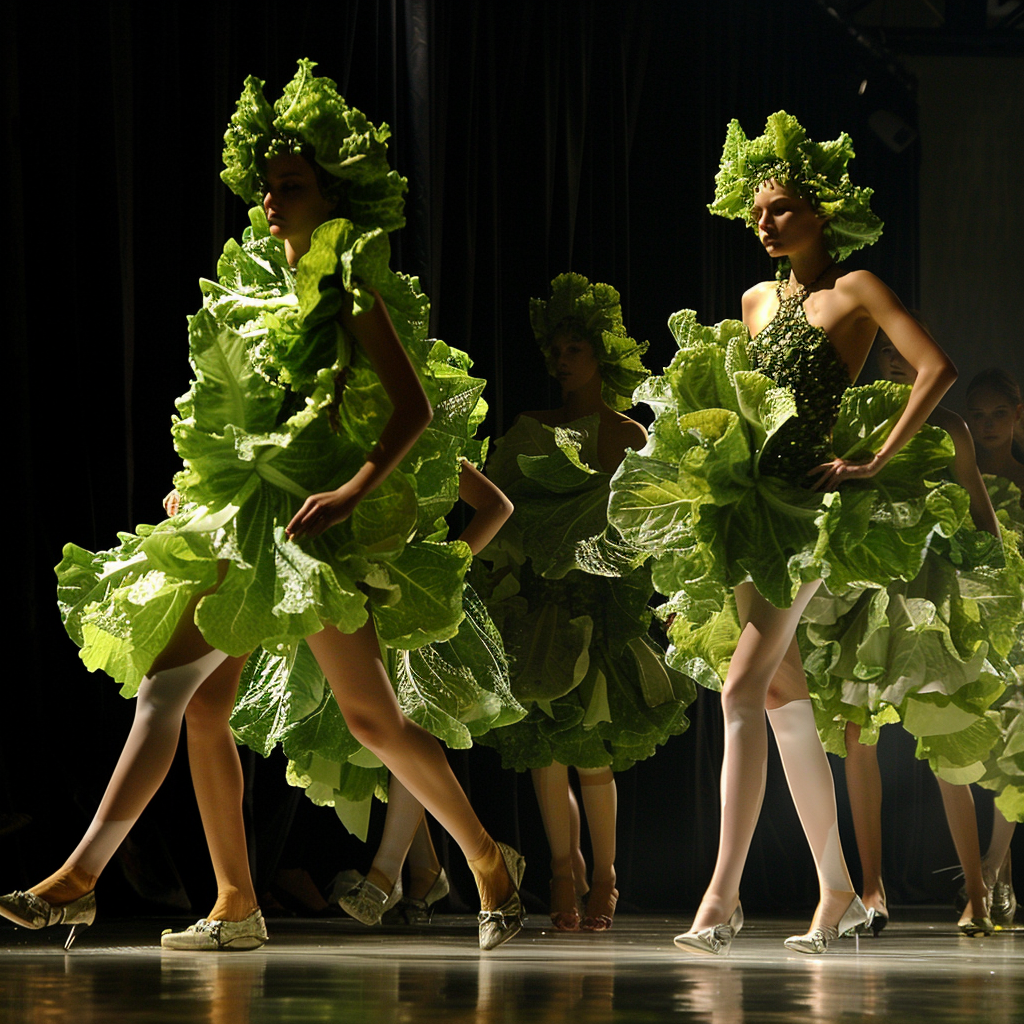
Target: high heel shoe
817, 939
1004, 905
368, 903
412, 911
602, 898
32, 911
563, 894
716, 941
498, 926
876, 920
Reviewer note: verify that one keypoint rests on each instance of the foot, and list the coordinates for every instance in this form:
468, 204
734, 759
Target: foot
492, 877
233, 905
601, 904
421, 881
878, 912
565, 914
368, 900
65, 886
975, 920
715, 940
839, 913
499, 923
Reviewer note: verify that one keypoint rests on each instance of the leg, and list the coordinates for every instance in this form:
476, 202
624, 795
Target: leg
217, 778
163, 695
353, 667
963, 826
404, 820
764, 639
600, 801
579, 865
551, 785
996, 862
864, 785
810, 784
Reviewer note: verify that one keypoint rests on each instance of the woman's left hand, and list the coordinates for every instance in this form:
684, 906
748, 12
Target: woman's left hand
321, 511
831, 474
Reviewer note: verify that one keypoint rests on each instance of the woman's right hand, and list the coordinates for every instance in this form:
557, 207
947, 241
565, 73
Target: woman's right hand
321, 511
172, 502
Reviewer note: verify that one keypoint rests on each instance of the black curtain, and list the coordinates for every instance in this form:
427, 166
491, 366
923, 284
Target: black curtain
537, 137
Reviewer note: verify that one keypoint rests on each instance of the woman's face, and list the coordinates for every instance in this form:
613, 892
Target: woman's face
991, 417
572, 361
294, 204
891, 365
786, 222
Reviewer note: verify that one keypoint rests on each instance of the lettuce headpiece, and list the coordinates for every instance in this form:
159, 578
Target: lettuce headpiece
816, 170
593, 312
313, 120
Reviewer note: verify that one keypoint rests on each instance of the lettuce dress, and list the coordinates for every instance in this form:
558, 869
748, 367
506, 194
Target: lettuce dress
718, 496
935, 653
284, 404
598, 690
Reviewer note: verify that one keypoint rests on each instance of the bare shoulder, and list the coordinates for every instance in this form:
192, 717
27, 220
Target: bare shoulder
759, 294
626, 431
863, 287
759, 304
953, 425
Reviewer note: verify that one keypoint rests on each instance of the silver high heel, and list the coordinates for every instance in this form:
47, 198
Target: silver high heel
715, 941
32, 911
419, 912
498, 926
817, 939
368, 903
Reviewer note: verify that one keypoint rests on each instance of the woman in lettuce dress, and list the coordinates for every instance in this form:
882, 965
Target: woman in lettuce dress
311, 455
932, 654
764, 475
995, 415
571, 603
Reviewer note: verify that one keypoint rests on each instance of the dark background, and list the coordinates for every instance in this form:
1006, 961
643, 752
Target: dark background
537, 137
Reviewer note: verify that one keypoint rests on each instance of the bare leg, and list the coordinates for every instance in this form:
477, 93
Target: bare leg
579, 865
764, 639
401, 825
600, 801
353, 667
217, 778
424, 867
551, 785
810, 784
996, 862
963, 826
864, 784
177, 673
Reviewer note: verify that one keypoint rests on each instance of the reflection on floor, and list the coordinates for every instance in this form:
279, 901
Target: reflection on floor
341, 972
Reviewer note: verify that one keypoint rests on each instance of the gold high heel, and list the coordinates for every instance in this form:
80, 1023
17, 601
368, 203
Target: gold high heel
563, 894
418, 912
498, 926
368, 903
32, 911
714, 941
604, 900
817, 939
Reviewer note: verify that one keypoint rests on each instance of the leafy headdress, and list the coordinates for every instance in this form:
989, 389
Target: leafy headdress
815, 170
592, 312
311, 119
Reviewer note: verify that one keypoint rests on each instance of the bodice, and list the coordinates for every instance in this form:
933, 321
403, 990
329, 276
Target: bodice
799, 356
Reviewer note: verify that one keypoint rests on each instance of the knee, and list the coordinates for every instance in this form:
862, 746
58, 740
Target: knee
205, 716
741, 701
373, 730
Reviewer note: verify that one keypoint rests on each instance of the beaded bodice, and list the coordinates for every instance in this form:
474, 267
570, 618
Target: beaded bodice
799, 356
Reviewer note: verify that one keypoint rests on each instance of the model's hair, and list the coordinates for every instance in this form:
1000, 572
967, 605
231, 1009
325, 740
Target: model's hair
996, 380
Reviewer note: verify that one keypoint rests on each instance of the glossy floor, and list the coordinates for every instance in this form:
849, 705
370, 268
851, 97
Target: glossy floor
341, 972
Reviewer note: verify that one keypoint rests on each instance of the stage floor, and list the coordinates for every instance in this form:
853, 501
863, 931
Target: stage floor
918, 970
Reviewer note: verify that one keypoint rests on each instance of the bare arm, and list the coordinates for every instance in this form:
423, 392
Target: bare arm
966, 472
491, 506
374, 332
935, 374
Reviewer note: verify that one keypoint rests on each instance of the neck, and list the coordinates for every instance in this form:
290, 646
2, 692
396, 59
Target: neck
584, 402
294, 251
809, 265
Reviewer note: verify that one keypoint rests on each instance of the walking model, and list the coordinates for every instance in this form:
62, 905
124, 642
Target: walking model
738, 490
299, 374
930, 653
600, 695
994, 416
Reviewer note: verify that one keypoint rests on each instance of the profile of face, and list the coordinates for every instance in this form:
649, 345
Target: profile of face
891, 365
786, 222
572, 361
992, 417
294, 204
